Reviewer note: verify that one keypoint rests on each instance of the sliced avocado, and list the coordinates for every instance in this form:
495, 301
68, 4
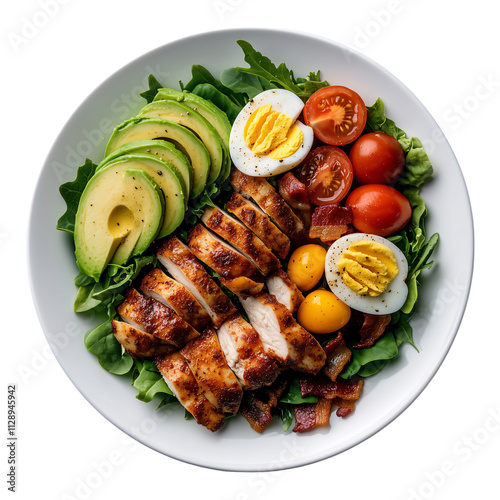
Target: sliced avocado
162, 149
119, 215
167, 178
184, 115
154, 128
215, 116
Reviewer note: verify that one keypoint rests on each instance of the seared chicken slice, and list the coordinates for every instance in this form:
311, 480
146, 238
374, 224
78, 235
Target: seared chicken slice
183, 266
285, 290
238, 235
258, 222
155, 318
259, 190
220, 256
181, 382
210, 369
138, 343
157, 285
283, 338
242, 285
245, 354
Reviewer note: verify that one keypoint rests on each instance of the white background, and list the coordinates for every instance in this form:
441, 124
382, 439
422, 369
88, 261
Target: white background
54, 53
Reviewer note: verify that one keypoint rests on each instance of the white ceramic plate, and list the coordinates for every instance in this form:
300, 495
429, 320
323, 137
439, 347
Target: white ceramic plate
237, 447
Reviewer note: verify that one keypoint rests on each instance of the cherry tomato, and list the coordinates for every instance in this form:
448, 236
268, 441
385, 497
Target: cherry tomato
336, 114
378, 209
377, 158
327, 174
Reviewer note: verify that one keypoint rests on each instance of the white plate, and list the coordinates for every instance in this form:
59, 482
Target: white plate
237, 447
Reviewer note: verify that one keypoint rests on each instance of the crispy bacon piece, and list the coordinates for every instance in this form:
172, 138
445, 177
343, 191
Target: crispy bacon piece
337, 356
344, 406
257, 221
257, 406
308, 416
330, 222
321, 386
293, 192
372, 329
153, 317
210, 369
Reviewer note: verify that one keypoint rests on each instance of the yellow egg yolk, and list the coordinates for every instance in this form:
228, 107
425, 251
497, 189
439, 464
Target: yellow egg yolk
271, 133
322, 312
306, 266
368, 267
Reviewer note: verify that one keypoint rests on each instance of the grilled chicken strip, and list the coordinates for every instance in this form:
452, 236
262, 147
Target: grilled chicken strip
210, 369
145, 313
157, 285
220, 256
181, 382
258, 222
137, 343
283, 338
183, 266
238, 235
285, 290
245, 354
259, 190
242, 285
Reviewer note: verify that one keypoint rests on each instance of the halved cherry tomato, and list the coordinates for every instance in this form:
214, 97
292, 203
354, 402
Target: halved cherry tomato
378, 209
327, 174
377, 158
336, 114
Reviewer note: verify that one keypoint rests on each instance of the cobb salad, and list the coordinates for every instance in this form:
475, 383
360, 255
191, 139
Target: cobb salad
254, 243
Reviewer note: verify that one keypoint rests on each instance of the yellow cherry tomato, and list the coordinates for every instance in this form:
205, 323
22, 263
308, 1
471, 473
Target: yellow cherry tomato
307, 265
322, 312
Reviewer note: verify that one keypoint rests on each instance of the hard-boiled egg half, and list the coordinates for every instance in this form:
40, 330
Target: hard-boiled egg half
266, 137
368, 273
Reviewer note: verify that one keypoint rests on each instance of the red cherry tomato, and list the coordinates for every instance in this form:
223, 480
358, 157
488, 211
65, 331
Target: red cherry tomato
378, 209
336, 114
377, 158
327, 175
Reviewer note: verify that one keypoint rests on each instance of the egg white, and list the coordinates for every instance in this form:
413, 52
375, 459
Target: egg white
387, 302
244, 159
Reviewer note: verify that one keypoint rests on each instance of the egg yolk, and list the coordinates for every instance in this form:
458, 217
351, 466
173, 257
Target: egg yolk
368, 267
306, 266
271, 133
322, 312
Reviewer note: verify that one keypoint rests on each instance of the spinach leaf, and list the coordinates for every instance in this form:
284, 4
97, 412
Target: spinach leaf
149, 382
244, 83
221, 100
71, 193
108, 350
154, 86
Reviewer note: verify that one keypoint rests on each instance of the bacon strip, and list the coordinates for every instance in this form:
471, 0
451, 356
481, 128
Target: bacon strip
338, 355
308, 416
321, 386
372, 329
330, 222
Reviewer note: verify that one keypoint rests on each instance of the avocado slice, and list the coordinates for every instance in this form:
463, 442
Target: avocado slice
184, 115
119, 215
214, 115
156, 128
167, 178
162, 149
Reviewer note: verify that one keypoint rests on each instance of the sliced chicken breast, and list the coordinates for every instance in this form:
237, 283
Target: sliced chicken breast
157, 285
285, 290
238, 235
283, 338
145, 313
220, 256
257, 221
210, 369
138, 343
266, 197
183, 266
181, 382
245, 354
242, 285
